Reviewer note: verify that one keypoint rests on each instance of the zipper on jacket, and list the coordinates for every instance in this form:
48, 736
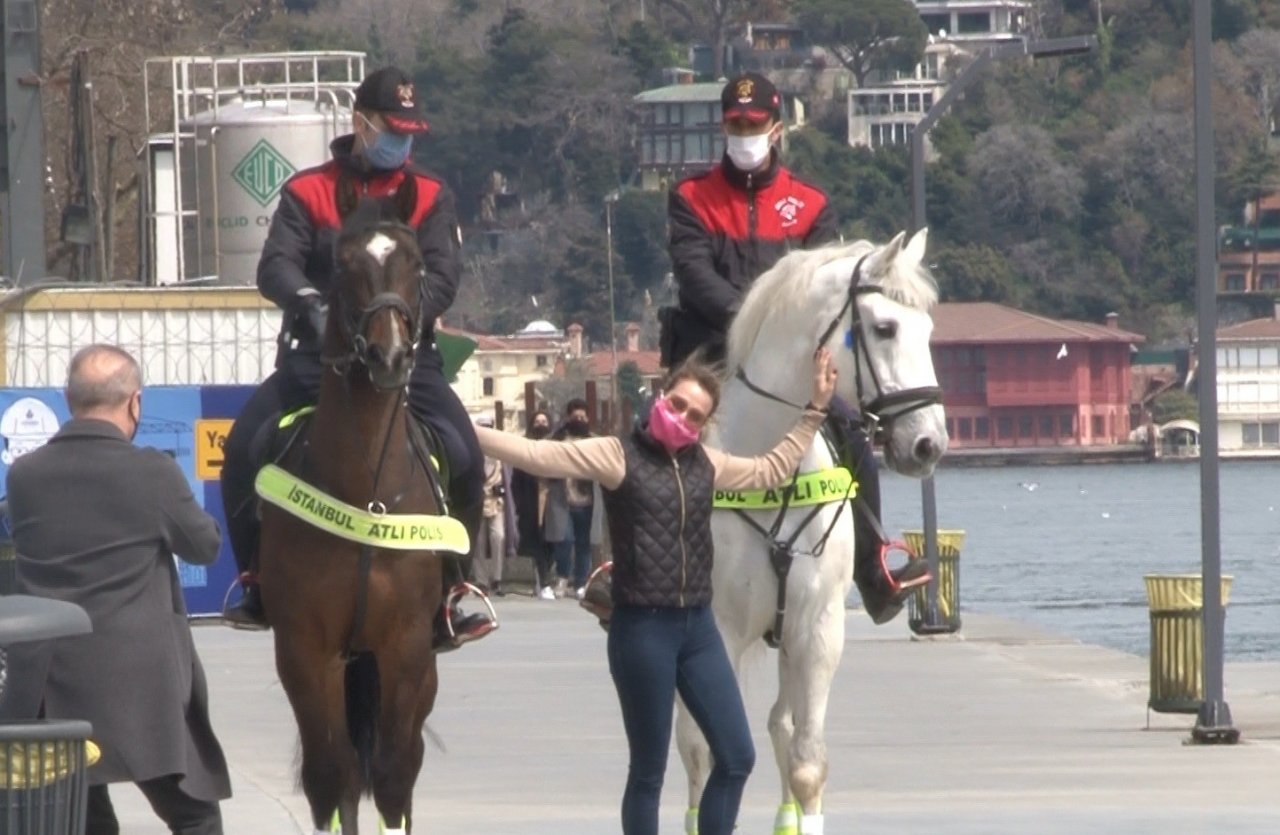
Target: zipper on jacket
751, 226
684, 554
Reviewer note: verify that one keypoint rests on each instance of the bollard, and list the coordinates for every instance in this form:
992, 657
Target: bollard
1176, 606
948, 620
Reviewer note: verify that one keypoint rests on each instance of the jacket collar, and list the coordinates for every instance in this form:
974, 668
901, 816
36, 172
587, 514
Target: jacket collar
89, 428
742, 180
646, 442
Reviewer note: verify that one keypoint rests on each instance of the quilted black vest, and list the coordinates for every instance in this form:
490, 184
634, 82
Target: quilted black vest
660, 525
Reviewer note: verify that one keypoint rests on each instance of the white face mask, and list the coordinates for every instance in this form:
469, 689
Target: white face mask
748, 152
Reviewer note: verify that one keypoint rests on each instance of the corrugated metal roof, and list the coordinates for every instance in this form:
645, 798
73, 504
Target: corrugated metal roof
679, 93
991, 322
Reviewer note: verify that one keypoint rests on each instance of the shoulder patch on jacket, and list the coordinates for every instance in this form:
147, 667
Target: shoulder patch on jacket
788, 208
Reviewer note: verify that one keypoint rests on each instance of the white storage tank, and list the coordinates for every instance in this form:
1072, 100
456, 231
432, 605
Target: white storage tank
224, 135
244, 153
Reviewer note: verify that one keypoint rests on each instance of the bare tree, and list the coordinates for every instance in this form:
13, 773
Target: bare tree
710, 19
1024, 176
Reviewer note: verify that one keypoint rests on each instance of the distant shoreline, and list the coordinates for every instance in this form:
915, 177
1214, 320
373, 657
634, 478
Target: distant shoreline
1115, 454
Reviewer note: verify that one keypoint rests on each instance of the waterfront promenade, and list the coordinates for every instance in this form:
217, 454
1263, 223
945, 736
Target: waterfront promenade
1003, 730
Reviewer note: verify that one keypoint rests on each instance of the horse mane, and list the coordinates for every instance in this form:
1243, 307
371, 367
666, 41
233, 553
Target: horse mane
787, 285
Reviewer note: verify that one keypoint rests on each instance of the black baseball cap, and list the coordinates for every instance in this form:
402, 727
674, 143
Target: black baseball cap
751, 96
389, 93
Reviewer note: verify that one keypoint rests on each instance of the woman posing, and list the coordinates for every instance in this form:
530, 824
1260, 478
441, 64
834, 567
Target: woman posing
658, 486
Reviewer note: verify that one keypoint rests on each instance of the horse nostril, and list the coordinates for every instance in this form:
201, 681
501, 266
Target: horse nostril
924, 449
374, 353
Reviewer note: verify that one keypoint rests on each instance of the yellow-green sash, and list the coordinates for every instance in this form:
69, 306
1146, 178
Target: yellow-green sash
398, 531
833, 484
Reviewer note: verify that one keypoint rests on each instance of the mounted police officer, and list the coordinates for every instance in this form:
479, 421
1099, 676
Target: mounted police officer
297, 271
729, 226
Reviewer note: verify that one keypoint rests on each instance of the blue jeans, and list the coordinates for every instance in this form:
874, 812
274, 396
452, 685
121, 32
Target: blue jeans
573, 553
653, 653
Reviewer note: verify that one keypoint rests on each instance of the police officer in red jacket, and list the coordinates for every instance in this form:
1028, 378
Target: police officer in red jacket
727, 227
297, 271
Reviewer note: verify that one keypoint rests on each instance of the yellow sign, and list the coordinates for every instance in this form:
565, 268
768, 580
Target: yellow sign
210, 436
832, 485
397, 531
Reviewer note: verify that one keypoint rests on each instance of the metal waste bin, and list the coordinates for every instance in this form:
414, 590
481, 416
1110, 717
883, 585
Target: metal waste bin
1176, 605
43, 780
43, 763
949, 545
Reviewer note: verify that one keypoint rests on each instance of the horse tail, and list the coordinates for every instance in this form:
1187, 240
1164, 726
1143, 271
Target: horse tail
363, 699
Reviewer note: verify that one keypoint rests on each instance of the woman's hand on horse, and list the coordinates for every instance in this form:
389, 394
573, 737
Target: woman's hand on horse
824, 379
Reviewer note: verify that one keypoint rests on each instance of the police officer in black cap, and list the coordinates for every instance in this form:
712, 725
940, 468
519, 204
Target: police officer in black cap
297, 271
730, 225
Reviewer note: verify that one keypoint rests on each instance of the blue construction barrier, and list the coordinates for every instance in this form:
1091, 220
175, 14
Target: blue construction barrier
187, 422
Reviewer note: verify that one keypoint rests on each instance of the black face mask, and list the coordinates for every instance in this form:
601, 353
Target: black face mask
577, 428
539, 432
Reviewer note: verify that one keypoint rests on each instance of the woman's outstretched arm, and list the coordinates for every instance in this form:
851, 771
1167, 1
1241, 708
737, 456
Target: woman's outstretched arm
595, 459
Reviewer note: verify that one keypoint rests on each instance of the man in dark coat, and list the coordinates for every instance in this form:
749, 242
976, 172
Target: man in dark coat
98, 522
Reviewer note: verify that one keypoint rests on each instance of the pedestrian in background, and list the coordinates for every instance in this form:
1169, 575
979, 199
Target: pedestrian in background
498, 514
574, 521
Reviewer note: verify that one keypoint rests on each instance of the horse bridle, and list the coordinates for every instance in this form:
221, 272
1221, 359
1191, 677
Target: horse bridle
877, 414
355, 324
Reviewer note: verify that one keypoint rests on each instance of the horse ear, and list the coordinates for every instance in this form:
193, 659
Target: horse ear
913, 253
406, 198
346, 195
885, 258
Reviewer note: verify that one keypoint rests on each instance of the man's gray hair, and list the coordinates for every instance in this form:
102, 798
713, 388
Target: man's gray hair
101, 377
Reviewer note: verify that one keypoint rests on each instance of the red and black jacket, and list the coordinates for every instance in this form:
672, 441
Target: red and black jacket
727, 227
300, 243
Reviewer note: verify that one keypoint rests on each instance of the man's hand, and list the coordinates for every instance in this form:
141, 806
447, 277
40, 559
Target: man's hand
824, 379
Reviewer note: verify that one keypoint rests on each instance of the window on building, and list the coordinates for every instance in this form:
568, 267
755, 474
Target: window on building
1004, 427
675, 114
951, 428
973, 23
1268, 357
1271, 434
487, 384
486, 366
1067, 426
936, 23
930, 72
541, 360
1099, 425
660, 114
1251, 434
1234, 283
1025, 426
966, 428
981, 428
1269, 281
1249, 359
1046, 426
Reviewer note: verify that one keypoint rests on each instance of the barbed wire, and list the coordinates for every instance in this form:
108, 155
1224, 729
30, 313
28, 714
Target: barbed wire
179, 335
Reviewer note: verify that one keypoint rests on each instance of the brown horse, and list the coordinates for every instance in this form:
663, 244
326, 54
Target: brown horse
353, 622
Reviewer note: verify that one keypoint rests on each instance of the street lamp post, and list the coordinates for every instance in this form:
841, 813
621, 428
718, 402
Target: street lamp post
931, 622
614, 406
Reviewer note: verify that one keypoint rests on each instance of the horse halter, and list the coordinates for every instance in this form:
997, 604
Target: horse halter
878, 413
354, 324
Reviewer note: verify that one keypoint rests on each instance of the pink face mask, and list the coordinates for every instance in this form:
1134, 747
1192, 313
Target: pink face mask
670, 429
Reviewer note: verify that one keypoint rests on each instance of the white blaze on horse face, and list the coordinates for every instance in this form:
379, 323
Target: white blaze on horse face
380, 247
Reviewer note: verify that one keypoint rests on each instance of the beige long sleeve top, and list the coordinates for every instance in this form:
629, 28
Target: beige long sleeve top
601, 458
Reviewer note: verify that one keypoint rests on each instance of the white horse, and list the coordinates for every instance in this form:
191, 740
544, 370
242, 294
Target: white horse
870, 305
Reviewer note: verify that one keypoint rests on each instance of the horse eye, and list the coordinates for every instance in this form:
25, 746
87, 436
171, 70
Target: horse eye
886, 330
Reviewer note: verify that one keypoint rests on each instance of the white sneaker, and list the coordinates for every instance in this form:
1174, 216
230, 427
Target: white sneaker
545, 593
581, 592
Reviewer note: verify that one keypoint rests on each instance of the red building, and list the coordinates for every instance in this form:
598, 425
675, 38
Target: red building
1015, 379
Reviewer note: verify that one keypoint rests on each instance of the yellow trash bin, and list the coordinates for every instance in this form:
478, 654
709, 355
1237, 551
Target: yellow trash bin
1176, 606
949, 545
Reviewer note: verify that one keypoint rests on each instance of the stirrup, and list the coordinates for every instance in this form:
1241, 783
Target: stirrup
245, 623
599, 601
910, 576
455, 594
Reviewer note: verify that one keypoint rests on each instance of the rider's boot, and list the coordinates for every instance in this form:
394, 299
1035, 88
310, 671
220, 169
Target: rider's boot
454, 627
248, 613
884, 589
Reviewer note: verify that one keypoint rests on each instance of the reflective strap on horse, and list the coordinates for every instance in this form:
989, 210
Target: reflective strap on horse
394, 531
834, 484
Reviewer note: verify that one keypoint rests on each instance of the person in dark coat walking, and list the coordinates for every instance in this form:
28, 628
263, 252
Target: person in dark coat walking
98, 522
